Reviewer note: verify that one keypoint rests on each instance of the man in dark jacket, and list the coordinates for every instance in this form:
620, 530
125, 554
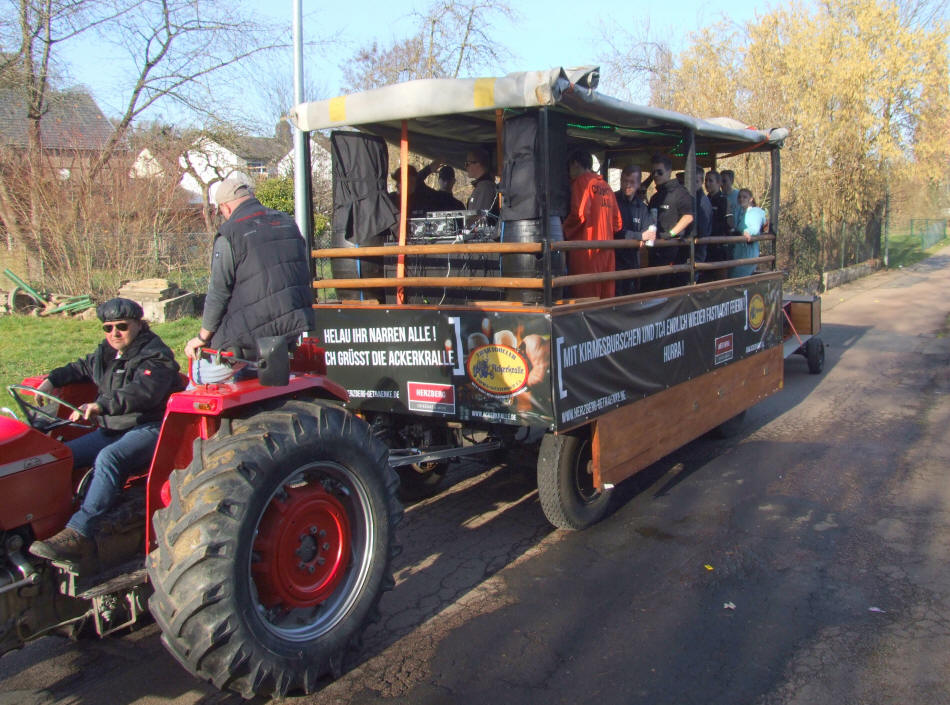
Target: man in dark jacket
636, 225
135, 373
260, 280
484, 196
702, 226
722, 224
674, 207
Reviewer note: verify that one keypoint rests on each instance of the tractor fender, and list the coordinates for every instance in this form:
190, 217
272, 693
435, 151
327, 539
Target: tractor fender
29, 461
198, 413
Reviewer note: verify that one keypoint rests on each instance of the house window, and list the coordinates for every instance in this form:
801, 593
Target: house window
257, 166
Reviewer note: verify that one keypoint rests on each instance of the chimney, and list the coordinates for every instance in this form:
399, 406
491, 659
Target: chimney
283, 134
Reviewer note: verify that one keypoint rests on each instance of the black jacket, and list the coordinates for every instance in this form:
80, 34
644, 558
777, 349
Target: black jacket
721, 215
484, 195
271, 292
636, 219
133, 388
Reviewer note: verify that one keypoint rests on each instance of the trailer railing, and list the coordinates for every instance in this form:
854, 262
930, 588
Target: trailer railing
539, 249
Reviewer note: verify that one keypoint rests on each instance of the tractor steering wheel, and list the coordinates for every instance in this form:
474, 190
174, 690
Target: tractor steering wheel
35, 413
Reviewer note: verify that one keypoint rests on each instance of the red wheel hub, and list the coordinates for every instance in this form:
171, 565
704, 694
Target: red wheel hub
302, 548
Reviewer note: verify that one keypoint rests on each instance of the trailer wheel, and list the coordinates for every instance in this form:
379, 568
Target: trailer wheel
730, 427
275, 548
565, 482
815, 354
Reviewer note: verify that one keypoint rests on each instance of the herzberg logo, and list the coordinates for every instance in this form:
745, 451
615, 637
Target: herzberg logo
724, 346
756, 312
497, 369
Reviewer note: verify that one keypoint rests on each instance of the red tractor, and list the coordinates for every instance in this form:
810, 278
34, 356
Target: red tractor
260, 538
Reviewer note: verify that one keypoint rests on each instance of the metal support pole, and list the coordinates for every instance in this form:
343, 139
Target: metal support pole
887, 221
303, 197
690, 179
775, 199
545, 206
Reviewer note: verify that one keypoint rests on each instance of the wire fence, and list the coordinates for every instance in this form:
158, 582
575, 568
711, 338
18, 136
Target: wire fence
929, 230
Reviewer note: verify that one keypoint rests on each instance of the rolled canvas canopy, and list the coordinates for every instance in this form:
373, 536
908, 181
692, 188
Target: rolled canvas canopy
446, 116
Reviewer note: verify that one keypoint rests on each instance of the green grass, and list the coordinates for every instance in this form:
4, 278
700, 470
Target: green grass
905, 249
31, 346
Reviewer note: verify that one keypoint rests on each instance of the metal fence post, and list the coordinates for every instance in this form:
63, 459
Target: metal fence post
887, 224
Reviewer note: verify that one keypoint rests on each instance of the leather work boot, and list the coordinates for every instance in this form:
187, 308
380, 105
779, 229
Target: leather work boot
68, 546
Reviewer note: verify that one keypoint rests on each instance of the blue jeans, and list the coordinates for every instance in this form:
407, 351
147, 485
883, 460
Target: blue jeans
205, 371
113, 459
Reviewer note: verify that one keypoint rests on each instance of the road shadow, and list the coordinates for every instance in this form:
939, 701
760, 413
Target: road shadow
484, 518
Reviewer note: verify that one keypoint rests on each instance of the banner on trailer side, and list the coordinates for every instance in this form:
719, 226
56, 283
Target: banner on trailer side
529, 368
612, 356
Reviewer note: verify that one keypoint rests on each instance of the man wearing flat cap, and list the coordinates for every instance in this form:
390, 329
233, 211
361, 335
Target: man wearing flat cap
134, 373
260, 279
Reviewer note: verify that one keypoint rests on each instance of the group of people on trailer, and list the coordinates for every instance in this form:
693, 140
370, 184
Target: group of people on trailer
671, 213
422, 198
598, 213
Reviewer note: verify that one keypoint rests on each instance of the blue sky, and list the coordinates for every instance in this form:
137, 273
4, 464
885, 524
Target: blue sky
549, 34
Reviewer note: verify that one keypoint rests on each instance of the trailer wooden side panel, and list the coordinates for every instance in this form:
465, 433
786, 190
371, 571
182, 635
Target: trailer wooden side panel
805, 314
632, 437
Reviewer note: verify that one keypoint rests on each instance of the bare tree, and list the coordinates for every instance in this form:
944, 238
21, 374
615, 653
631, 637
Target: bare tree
41, 26
181, 51
635, 65
923, 13
180, 48
452, 38
276, 88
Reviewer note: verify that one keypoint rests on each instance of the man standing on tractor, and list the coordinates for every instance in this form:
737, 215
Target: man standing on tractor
260, 280
135, 373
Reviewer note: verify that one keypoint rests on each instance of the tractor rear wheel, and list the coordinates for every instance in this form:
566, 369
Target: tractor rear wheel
275, 548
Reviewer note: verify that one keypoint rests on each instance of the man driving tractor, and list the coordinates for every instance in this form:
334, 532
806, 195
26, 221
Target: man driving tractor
135, 373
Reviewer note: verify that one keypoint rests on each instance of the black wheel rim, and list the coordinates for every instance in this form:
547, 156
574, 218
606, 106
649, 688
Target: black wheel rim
583, 474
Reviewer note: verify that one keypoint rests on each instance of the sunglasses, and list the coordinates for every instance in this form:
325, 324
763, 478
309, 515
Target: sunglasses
121, 327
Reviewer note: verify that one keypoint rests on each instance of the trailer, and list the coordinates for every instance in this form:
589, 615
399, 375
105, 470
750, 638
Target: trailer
455, 334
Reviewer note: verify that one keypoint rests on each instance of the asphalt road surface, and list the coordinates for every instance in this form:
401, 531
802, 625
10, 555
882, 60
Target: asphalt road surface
802, 561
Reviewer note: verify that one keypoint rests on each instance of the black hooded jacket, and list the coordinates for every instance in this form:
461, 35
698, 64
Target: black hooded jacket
132, 388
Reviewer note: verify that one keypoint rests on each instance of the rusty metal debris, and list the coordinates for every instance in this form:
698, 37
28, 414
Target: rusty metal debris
25, 299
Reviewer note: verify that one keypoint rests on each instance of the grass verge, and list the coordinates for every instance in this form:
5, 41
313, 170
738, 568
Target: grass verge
905, 249
30, 345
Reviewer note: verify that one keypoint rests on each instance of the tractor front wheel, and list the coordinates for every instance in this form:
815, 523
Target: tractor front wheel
275, 548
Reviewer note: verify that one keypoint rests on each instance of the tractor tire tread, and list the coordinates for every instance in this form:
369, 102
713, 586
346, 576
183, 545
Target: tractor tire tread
197, 536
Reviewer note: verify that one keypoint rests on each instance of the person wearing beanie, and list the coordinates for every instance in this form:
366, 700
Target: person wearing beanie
260, 280
134, 373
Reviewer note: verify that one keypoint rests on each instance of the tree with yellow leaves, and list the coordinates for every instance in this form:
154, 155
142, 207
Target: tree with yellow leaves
862, 86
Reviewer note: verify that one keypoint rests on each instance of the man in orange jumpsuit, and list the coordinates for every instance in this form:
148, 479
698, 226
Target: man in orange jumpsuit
594, 216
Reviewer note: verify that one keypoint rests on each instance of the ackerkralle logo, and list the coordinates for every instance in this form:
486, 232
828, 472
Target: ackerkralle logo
756, 312
497, 369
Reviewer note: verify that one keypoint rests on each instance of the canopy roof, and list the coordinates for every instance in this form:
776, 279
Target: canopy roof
446, 116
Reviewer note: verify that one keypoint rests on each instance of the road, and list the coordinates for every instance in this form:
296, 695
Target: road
799, 562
